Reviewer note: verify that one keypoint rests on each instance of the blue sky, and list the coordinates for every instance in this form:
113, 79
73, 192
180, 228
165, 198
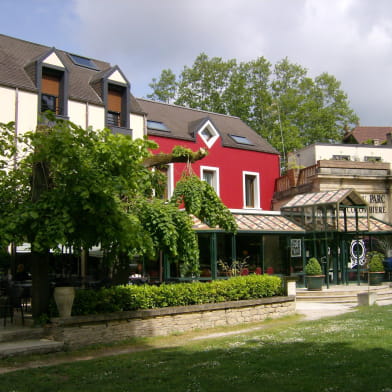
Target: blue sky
350, 39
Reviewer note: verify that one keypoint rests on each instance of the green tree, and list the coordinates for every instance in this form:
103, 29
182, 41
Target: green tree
165, 88
282, 103
80, 188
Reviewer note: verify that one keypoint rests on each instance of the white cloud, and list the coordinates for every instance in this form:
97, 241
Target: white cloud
350, 39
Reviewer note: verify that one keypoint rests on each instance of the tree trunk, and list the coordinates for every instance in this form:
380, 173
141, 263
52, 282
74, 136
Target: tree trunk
39, 260
40, 294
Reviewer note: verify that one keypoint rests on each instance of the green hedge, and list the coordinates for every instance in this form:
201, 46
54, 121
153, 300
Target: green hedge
121, 298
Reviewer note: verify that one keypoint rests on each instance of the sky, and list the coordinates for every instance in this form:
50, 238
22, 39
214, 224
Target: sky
350, 39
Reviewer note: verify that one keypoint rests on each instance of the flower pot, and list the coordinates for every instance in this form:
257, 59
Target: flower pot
314, 282
64, 297
376, 278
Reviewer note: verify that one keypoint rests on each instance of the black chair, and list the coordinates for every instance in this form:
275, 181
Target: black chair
11, 302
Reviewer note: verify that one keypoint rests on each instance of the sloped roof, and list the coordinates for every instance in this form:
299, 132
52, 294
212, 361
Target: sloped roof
362, 134
183, 124
16, 55
259, 223
347, 197
375, 225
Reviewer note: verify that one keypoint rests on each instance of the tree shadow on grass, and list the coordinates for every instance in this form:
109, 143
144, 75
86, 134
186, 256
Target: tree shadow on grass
248, 366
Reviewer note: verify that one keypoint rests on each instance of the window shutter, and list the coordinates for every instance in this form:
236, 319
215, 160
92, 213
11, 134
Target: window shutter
50, 85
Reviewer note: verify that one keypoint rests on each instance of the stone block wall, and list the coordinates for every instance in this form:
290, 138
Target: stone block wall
80, 331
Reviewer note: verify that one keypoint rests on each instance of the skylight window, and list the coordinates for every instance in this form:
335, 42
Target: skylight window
241, 140
157, 126
83, 61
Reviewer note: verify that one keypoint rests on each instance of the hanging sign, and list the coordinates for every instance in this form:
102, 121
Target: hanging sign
295, 246
357, 252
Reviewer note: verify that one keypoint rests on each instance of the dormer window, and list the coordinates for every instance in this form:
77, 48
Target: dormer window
51, 79
208, 133
115, 112
116, 97
50, 91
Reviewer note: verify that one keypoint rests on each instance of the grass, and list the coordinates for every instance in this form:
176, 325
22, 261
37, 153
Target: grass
352, 352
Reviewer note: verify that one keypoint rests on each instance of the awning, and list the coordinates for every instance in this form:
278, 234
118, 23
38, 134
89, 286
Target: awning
257, 223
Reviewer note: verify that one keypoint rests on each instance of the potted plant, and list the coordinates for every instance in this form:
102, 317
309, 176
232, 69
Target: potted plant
314, 274
64, 295
375, 268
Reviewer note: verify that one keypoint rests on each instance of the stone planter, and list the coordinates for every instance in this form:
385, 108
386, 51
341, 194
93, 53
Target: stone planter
314, 282
367, 298
64, 297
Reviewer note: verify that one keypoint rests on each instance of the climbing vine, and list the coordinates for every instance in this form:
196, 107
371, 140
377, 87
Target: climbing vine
199, 199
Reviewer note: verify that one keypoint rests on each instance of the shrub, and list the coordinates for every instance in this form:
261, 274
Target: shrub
375, 261
313, 267
122, 298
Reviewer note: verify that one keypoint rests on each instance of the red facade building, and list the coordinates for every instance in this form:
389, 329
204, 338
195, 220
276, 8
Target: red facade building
241, 166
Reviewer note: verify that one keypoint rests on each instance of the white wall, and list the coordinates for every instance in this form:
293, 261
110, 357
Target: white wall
309, 156
137, 126
7, 105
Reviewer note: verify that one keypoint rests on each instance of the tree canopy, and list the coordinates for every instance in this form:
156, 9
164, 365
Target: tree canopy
282, 103
78, 188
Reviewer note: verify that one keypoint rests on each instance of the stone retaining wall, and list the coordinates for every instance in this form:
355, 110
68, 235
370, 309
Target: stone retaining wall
80, 331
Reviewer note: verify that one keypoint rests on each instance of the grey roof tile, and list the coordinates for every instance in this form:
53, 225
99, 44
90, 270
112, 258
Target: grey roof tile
183, 123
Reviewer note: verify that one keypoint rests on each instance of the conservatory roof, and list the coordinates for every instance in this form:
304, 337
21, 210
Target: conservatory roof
260, 223
347, 197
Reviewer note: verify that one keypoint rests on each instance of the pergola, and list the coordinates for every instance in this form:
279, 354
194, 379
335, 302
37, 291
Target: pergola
337, 225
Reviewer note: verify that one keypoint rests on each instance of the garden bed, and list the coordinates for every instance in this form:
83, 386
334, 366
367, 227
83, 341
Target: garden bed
80, 331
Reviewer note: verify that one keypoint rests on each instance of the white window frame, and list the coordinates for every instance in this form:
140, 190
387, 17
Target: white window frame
215, 135
216, 182
257, 195
169, 180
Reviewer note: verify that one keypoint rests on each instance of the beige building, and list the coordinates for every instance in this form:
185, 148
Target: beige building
321, 167
89, 92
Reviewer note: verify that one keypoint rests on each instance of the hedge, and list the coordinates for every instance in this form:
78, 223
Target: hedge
122, 298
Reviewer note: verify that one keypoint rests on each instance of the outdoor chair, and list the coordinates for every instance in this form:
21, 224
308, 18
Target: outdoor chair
11, 302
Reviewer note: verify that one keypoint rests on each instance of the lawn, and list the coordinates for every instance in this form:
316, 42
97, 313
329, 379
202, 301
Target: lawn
352, 352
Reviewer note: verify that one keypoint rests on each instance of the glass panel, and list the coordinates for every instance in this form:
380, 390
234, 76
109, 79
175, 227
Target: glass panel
113, 119
241, 140
208, 177
83, 61
157, 126
250, 191
49, 102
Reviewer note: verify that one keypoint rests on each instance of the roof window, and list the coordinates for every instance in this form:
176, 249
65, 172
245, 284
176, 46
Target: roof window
83, 61
157, 126
241, 140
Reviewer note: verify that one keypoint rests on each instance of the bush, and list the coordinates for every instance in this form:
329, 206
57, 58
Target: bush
375, 261
313, 267
122, 298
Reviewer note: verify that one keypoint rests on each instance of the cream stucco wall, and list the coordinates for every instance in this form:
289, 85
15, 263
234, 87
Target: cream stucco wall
309, 155
20, 107
7, 105
86, 115
96, 117
137, 126
27, 112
